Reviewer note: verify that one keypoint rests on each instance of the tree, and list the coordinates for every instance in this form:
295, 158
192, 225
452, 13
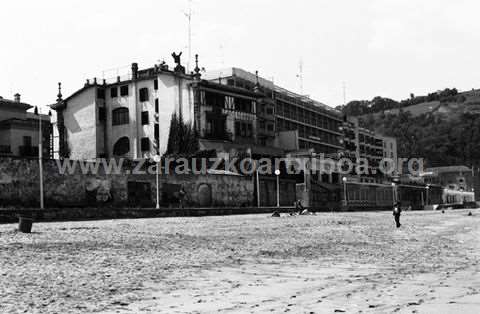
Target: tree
182, 138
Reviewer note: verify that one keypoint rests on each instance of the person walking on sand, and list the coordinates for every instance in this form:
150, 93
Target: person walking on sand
397, 210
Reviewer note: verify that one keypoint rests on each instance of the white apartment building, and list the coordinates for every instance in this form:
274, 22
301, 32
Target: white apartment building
123, 118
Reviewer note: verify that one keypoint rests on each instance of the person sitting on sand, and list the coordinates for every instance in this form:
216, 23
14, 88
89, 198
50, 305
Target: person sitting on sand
299, 207
305, 212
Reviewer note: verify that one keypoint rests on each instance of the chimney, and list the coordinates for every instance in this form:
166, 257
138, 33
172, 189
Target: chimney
134, 71
16, 97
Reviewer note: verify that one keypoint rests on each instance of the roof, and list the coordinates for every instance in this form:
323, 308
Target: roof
446, 169
143, 74
237, 72
248, 76
13, 103
226, 88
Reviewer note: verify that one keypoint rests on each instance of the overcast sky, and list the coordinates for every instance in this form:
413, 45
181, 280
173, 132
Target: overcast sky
377, 47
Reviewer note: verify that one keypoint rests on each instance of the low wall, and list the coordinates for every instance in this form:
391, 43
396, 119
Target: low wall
69, 214
19, 187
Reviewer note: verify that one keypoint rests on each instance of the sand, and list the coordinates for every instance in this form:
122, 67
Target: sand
328, 263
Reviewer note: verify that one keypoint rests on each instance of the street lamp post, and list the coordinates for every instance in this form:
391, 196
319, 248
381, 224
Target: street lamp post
277, 173
156, 159
393, 193
40, 155
426, 196
345, 201
257, 179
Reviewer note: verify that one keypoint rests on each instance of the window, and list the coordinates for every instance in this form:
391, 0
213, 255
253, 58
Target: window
144, 117
144, 94
270, 127
214, 100
27, 141
269, 110
101, 93
155, 84
156, 105
102, 114
249, 130
237, 128
145, 144
114, 92
244, 105
157, 133
124, 90
122, 146
262, 125
243, 129
120, 116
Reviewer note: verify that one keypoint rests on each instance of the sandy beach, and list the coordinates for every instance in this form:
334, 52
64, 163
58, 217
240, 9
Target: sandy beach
327, 263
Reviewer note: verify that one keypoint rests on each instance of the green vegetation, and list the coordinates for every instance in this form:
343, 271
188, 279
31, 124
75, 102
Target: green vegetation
441, 140
443, 137
379, 104
182, 139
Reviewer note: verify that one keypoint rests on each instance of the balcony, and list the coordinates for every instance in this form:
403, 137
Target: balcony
5, 150
28, 151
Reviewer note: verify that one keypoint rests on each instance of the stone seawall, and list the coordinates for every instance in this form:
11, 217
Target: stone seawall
19, 187
72, 214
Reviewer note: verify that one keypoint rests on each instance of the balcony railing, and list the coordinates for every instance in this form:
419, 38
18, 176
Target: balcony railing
28, 151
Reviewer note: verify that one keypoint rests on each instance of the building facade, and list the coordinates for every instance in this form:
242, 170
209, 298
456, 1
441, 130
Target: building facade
361, 144
19, 130
281, 111
129, 117
458, 178
230, 118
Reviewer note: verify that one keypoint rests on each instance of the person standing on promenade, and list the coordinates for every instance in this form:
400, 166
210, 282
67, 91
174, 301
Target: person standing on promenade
181, 196
397, 210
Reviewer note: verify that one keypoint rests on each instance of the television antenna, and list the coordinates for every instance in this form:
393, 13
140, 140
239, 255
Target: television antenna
188, 15
300, 75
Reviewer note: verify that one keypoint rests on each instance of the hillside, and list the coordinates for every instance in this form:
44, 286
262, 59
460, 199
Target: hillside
442, 127
447, 102
441, 139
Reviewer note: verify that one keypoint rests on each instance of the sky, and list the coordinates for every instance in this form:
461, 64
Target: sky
366, 48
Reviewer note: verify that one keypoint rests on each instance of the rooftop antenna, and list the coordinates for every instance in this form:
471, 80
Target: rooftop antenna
300, 75
188, 15
344, 86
